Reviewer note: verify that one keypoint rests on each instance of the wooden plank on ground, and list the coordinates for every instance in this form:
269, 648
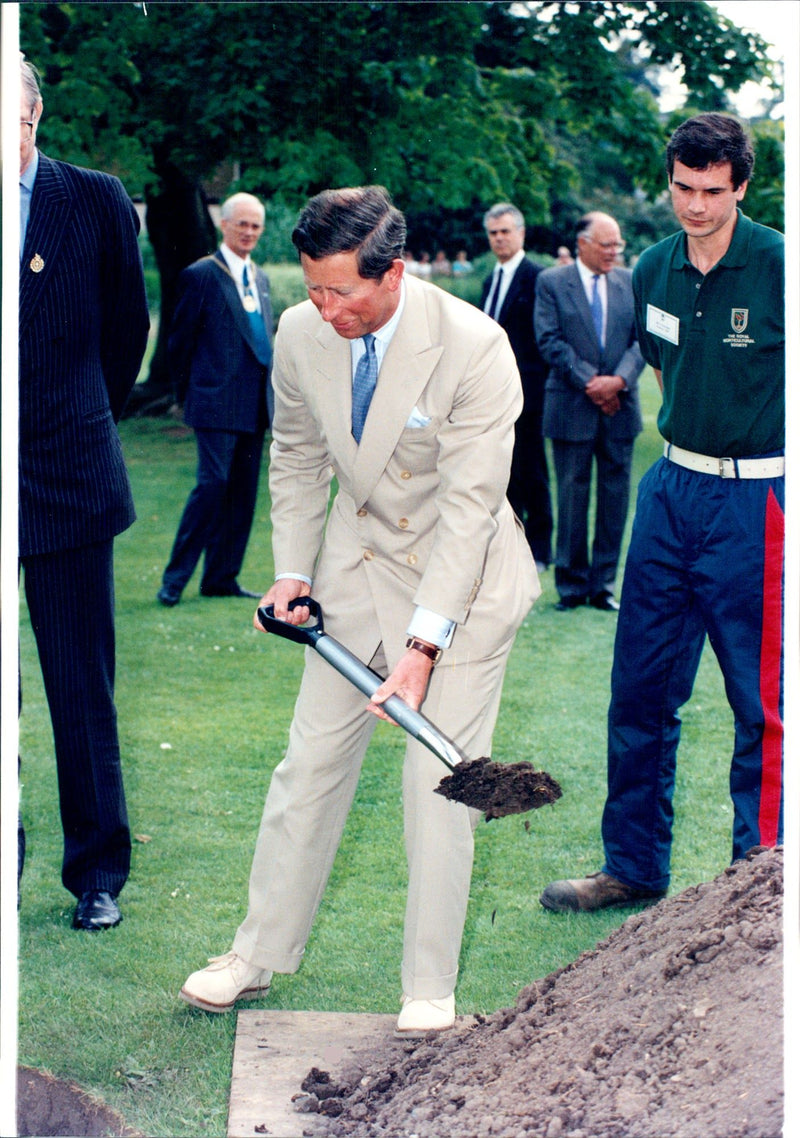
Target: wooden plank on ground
273, 1053
275, 1050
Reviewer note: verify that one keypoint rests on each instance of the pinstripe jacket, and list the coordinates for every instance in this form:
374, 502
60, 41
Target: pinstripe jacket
82, 332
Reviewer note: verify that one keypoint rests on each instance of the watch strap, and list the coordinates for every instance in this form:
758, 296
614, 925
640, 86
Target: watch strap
433, 654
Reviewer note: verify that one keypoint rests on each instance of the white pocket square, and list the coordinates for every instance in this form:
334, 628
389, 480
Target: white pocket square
417, 419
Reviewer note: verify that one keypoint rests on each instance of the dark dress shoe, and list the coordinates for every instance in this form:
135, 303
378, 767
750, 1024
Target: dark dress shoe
96, 910
230, 591
605, 602
568, 603
167, 596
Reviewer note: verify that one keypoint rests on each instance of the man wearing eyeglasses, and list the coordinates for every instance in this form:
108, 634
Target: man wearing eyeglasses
584, 323
220, 351
83, 326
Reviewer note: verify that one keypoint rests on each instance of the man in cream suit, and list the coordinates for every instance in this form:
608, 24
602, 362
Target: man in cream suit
421, 556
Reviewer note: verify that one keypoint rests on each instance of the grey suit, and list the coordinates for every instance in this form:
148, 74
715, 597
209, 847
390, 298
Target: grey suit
579, 430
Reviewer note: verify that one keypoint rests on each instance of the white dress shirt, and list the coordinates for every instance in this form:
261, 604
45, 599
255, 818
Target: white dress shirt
236, 264
506, 270
587, 279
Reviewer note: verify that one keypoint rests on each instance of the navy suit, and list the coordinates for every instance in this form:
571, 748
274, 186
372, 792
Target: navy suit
222, 375
82, 334
529, 484
580, 431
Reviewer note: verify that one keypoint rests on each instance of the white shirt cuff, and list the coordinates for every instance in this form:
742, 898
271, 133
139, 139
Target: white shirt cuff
294, 577
430, 626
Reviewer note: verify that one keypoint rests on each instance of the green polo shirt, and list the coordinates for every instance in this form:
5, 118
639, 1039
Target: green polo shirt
718, 341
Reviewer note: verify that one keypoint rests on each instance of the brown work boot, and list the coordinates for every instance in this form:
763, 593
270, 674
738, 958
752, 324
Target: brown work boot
597, 891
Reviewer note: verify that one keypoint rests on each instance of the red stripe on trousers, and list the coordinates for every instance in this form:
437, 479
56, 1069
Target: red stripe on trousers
771, 643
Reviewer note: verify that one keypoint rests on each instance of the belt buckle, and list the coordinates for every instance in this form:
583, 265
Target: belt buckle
727, 468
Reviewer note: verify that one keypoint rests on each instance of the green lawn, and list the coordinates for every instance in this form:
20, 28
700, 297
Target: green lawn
204, 708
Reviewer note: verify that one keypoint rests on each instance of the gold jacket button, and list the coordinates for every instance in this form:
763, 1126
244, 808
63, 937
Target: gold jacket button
362, 513
412, 559
403, 523
405, 474
368, 555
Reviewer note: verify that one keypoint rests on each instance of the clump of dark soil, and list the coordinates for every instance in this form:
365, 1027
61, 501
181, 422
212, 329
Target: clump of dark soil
49, 1106
499, 789
670, 1028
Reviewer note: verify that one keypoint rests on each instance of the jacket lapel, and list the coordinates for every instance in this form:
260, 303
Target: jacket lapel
232, 298
514, 286
577, 294
51, 207
405, 371
407, 367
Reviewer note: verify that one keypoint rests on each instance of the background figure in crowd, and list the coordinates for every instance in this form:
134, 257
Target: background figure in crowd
706, 553
586, 333
440, 266
220, 352
83, 326
508, 296
564, 257
424, 269
462, 265
421, 553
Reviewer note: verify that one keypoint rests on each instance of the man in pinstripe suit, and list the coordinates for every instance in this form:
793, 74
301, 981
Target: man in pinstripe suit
82, 333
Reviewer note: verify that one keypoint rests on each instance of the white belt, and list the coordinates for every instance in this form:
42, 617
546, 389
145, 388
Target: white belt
726, 467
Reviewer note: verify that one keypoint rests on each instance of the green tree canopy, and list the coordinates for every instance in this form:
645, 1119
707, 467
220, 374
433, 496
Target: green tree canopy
452, 106
447, 104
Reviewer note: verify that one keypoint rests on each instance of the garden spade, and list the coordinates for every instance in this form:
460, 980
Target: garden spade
497, 789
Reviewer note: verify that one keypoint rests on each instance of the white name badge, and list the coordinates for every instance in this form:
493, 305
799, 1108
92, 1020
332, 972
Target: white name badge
662, 324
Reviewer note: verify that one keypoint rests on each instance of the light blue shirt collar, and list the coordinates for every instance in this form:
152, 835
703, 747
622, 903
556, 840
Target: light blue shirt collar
29, 177
26, 181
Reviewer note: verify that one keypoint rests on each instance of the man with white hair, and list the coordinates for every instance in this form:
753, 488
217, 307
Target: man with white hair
220, 353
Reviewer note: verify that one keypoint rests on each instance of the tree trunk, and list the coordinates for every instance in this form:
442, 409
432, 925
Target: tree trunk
180, 230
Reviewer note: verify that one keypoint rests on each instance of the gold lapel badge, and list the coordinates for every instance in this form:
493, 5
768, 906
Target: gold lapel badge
37, 263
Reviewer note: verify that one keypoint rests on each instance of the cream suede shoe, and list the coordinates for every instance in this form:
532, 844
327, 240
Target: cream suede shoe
418, 1017
227, 979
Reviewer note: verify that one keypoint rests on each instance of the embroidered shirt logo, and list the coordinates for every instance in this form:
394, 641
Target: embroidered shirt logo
739, 321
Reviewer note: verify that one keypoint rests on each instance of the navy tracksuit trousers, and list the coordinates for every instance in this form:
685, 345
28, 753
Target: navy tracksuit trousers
706, 556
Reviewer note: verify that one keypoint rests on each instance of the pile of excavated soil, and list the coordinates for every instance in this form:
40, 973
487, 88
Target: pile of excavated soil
670, 1028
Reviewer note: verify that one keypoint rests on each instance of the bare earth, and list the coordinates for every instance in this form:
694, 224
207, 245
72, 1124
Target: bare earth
670, 1028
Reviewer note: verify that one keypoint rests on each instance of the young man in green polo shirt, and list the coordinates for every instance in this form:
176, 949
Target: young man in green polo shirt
706, 553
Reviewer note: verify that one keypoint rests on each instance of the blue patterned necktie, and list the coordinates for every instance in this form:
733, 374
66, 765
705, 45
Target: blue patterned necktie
597, 308
262, 346
364, 381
